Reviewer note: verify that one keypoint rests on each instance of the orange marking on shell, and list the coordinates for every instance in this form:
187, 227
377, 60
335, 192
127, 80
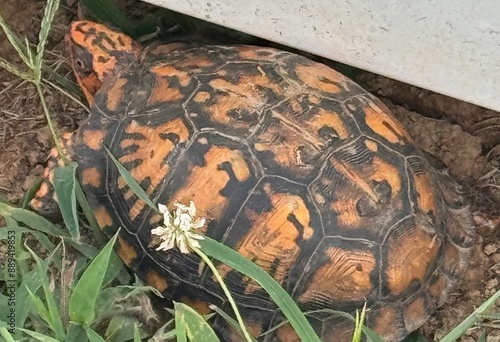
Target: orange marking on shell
157, 281
320, 77
286, 333
385, 171
205, 183
200, 306
384, 321
425, 193
385, 125
242, 96
371, 145
293, 125
254, 329
102, 216
125, 250
151, 151
201, 97
411, 250
194, 60
91, 176
256, 53
94, 138
347, 211
165, 49
170, 71
353, 175
415, 314
162, 92
328, 119
346, 277
271, 242
115, 95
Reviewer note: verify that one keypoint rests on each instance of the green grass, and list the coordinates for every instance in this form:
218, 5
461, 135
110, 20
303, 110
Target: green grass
69, 290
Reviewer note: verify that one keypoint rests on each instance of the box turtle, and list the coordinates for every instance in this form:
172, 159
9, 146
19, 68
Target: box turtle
293, 165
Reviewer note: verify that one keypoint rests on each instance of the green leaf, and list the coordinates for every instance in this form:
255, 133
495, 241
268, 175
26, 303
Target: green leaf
482, 337
39, 337
137, 333
64, 185
131, 182
460, 329
32, 220
241, 264
76, 333
120, 328
6, 334
188, 321
83, 299
93, 336
31, 282
54, 316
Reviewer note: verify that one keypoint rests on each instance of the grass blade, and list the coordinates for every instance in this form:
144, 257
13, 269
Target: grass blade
15, 42
131, 182
48, 16
83, 299
241, 264
460, 329
228, 319
15, 71
193, 324
64, 185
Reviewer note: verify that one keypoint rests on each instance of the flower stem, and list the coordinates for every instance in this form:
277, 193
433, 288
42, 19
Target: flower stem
207, 260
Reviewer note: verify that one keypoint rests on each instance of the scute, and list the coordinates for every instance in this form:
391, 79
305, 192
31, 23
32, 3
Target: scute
293, 165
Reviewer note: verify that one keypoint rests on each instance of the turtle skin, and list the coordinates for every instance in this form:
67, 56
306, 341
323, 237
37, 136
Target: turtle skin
293, 165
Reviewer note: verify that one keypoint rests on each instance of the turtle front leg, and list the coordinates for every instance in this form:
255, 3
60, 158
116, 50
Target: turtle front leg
45, 200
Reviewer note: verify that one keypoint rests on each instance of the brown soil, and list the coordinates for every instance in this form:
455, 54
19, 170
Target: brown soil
462, 136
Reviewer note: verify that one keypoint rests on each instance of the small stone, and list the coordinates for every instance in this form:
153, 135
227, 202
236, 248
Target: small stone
492, 284
496, 258
489, 249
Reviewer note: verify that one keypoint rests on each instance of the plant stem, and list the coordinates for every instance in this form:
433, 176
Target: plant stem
207, 260
49, 120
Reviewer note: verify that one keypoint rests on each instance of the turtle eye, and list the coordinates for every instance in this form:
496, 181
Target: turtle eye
79, 64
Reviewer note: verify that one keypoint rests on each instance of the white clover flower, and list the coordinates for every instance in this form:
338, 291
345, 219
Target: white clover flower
177, 229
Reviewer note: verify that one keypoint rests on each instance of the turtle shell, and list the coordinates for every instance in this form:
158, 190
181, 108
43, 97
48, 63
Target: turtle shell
294, 166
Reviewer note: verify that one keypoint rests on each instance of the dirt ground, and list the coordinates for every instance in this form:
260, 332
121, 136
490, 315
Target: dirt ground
466, 138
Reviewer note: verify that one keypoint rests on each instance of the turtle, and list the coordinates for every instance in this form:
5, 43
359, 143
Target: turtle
293, 165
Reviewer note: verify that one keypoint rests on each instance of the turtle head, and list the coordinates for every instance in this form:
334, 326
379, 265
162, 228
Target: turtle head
96, 52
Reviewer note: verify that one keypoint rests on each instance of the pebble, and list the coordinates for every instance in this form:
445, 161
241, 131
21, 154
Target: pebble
492, 283
496, 258
489, 249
